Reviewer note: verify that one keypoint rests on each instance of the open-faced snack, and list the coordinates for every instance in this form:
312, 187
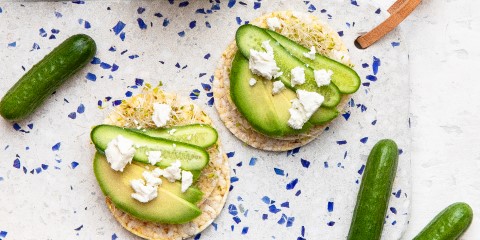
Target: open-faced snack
284, 78
161, 166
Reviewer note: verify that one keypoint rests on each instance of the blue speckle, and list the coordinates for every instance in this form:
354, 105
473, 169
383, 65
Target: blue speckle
194, 94
3, 233
362, 168
166, 21
253, 161
12, 44
183, 4
285, 205
233, 179
44, 166
231, 3
378, 11
395, 44
325, 164
330, 206
305, 163
376, 63
114, 236
257, 5
206, 86
282, 220
140, 10
43, 33
81, 108
342, 142
239, 20
159, 15
79, 228
311, 8
232, 209
266, 199
265, 216
398, 193
56, 147
133, 56
290, 221
30, 125
237, 219
141, 24
340, 33
208, 25
372, 78
394, 222
16, 163
298, 193
72, 115
346, 115
181, 34
119, 27
197, 237
364, 140
273, 209
393, 210
122, 36
35, 46
192, 24
16, 126
230, 154
365, 65
116, 102
279, 171
331, 223
105, 65
114, 67
96, 60
293, 152
128, 94
92, 77
244, 230
292, 184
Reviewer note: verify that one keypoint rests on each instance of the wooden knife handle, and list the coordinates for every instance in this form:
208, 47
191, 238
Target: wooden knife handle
399, 11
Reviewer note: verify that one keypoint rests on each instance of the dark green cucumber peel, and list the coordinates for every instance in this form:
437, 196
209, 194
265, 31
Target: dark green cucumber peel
201, 135
251, 37
192, 157
344, 77
46, 76
375, 190
449, 224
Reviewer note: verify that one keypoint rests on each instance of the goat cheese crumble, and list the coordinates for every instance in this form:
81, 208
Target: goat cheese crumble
311, 54
323, 77
297, 76
187, 180
278, 86
173, 172
252, 82
274, 23
143, 193
119, 153
263, 63
303, 108
161, 114
154, 157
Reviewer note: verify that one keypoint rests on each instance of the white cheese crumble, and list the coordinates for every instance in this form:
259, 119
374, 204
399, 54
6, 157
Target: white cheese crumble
263, 63
322, 77
340, 56
143, 193
161, 114
119, 153
152, 179
274, 23
298, 76
252, 82
173, 172
278, 86
303, 108
187, 180
311, 54
172, 131
154, 157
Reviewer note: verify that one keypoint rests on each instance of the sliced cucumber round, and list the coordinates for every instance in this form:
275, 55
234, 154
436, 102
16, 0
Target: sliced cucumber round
201, 135
192, 157
344, 77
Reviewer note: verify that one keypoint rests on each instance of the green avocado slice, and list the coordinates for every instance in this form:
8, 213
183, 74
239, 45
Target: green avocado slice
170, 207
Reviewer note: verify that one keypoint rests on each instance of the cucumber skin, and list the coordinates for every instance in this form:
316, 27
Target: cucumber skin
375, 190
449, 224
46, 76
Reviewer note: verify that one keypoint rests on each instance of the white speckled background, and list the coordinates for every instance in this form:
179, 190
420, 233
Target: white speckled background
443, 53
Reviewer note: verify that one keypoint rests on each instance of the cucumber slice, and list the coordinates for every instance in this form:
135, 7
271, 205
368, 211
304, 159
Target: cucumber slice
201, 135
323, 115
191, 157
344, 77
266, 113
251, 37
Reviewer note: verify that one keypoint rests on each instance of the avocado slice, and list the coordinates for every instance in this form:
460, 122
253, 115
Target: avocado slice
170, 207
266, 113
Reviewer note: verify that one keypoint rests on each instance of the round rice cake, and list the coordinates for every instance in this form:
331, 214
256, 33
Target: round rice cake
214, 181
302, 28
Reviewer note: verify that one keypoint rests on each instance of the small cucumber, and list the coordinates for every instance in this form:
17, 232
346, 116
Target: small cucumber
46, 76
344, 77
251, 37
191, 157
375, 190
449, 224
323, 115
201, 135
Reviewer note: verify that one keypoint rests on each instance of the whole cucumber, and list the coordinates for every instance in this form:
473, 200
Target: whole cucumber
449, 224
46, 76
375, 190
